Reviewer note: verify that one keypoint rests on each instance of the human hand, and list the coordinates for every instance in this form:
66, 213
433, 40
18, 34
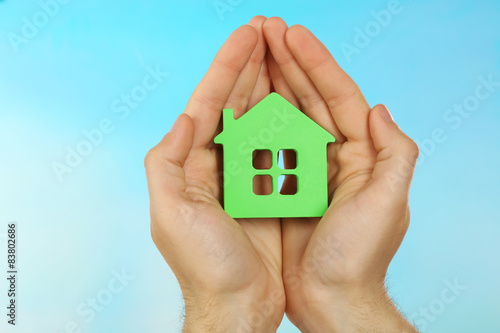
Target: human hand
228, 270
334, 267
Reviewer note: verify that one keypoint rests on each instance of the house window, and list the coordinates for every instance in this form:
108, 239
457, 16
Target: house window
287, 159
262, 185
286, 182
262, 159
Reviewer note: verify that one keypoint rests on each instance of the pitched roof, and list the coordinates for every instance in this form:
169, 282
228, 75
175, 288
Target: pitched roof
271, 109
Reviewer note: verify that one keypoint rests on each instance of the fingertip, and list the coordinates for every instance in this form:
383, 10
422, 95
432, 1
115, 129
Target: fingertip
246, 29
297, 30
380, 116
383, 112
274, 23
381, 125
185, 120
246, 33
164, 162
258, 20
175, 146
176, 124
181, 132
385, 133
397, 154
300, 38
274, 32
275, 20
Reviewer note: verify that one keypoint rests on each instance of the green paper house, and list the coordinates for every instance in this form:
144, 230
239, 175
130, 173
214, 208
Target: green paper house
273, 125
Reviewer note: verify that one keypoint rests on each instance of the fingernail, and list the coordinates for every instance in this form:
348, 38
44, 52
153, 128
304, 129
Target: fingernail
176, 124
385, 114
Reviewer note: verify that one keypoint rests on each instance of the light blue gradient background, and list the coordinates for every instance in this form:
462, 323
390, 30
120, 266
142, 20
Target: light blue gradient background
74, 233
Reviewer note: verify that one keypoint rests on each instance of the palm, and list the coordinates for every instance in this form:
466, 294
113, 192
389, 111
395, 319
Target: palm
246, 250
217, 251
350, 170
350, 167
344, 243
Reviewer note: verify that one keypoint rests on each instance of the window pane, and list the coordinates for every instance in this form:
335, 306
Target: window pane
262, 159
287, 159
262, 185
288, 184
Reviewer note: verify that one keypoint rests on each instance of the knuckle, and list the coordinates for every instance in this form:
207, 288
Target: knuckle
413, 149
409, 149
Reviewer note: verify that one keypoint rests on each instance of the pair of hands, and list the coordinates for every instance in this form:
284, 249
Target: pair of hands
326, 273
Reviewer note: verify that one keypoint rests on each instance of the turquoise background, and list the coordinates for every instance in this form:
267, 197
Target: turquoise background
77, 233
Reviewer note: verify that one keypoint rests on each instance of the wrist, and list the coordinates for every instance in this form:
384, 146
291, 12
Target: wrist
350, 309
250, 311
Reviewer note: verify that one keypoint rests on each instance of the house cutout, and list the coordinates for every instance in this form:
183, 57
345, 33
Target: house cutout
271, 126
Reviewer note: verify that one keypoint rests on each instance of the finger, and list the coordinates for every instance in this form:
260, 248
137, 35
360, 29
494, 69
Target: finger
281, 87
261, 159
164, 162
311, 101
239, 99
343, 97
210, 96
252, 86
278, 81
396, 156
262, 87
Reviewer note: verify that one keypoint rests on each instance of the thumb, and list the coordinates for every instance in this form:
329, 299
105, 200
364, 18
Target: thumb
164, 162
396, 154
